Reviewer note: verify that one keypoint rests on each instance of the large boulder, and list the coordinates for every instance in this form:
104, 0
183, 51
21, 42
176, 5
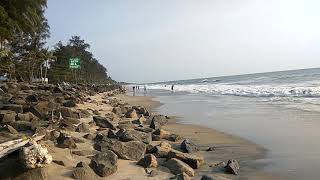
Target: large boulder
232, 167
28, 116
33, 174
195, 161
161, 133
161, 150
34, 156
177, 167
213, 177
117, 111
104, 122
133, 135
31, 99
7, 116
188, 146
105, 163
141, 110
182, 176
132, 150
149, 161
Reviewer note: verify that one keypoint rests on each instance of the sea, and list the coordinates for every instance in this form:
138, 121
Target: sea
279, 111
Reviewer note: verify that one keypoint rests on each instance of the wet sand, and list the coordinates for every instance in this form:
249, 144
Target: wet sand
226, 146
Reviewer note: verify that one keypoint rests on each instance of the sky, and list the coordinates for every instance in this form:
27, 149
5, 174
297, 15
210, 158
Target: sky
161, 40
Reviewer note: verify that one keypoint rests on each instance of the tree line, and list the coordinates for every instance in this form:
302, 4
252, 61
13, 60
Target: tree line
23, 53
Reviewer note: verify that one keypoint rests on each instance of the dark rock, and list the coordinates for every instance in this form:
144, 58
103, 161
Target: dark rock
61, 163
149, 161
22, 125
65, 141
151, 172
84, 172
144, 129
104, 122
131, 113
7, 116
161, 133
156, 137
211, 149
161, 150
177, 167
141, 110
195, 161
69, 103
132, 150
173, 137
31, 99
83, 127
189, 146
232, 167
213, 177
112, 134
133, 135
12, 107
105, 163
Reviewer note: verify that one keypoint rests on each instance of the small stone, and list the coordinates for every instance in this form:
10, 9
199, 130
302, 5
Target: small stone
65, 141
61, 163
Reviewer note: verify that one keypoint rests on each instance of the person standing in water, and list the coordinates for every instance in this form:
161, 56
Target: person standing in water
172, 87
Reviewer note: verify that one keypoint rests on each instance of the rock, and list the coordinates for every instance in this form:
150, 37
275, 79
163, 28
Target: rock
84, 172
22, 125
194, 161
161, 133
84, 152
7, 116
131, 113
139, 121
12, 107
70, 103
132, 150
67, 112
232, 167
173, 137
57, 89
31, 99
213, 177
189, 146
88, 136
84, 113
112, 134
157, 121
40, 110
133, 135
26, 117
25, 86
61, 163
151, 172
211, 149
65, 141
161, 150
104, 122
33, 174
34, 156
144, 129
117, 111
83, 127
149, 161
177, 167
12, 130
156, 137
96, 112
141, 110
105, 163
182, 176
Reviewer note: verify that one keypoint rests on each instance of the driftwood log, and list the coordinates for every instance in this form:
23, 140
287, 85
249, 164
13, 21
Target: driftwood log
11, 146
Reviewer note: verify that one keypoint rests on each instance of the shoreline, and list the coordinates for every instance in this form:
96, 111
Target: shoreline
228, 146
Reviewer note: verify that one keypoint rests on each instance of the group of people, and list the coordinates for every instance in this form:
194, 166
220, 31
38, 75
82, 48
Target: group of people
136, 88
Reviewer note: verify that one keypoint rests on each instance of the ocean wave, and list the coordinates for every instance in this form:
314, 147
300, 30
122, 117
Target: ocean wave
289, 90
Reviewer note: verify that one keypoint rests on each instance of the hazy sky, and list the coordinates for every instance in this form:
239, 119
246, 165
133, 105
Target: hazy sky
158, 40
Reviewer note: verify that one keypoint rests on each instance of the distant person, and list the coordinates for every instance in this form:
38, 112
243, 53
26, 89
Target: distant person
145, 89
134, 90
172, 87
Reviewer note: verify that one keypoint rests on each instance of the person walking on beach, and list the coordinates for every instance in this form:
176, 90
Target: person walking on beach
145, 89
172, 87
134, 90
